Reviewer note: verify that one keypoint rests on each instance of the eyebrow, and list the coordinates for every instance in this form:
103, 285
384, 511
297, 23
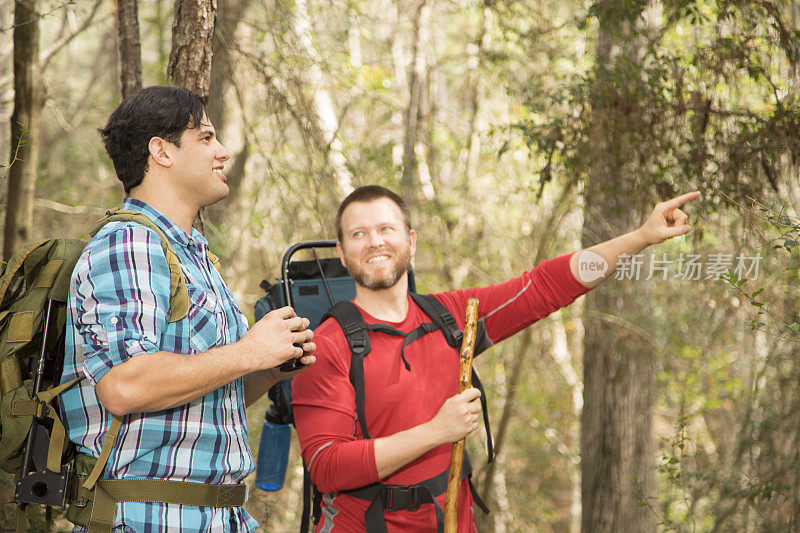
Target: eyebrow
206, 131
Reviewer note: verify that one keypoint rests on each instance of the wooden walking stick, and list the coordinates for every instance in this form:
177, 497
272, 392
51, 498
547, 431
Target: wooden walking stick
464, 382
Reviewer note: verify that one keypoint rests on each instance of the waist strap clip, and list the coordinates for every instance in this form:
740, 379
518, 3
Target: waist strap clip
402, 498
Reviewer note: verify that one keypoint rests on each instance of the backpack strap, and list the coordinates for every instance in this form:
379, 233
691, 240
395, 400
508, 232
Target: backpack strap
357, 335
445, 321
215, 261
179, 294
384, 497
356, 332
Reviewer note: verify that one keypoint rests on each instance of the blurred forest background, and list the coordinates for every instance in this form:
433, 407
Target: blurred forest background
518, 130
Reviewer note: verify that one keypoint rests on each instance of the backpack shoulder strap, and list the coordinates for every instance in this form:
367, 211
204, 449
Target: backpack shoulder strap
444, 320
215, 261
355, 331
179, 294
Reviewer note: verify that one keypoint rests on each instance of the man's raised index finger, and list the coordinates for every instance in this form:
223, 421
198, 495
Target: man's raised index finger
682, 199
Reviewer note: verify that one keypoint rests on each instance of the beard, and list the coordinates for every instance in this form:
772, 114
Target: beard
385, 281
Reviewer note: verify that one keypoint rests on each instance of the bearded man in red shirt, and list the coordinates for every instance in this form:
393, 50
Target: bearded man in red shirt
379, 467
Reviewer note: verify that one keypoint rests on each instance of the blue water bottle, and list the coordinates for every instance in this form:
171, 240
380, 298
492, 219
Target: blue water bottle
273, 452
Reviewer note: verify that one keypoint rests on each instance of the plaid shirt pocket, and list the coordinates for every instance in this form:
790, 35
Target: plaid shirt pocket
206, 318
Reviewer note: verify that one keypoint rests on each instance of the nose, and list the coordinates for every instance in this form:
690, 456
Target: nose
222, 153
375, 239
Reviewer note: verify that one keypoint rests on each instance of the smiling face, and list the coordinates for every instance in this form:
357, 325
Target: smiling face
199, 162
376, 247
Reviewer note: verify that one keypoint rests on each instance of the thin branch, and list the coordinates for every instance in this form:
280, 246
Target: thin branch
68, 209
14, 159
34, 19
58, 47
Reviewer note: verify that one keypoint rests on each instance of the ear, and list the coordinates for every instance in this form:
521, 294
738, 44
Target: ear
160, 152
412, 242
341, 253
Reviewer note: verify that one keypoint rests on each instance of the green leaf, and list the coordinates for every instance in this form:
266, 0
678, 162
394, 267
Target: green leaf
503, 149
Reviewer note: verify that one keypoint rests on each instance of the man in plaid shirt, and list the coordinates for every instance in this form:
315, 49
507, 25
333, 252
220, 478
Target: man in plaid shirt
181, 387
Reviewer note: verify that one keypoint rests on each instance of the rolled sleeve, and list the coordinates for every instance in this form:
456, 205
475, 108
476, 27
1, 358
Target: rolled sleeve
127, 290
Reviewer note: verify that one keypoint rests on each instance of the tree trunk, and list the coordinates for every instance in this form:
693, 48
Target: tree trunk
25, 125
475, 57
400, 80
488, 483
130, 50
230, 129
417, 82
617, 448
325, 117
192, 38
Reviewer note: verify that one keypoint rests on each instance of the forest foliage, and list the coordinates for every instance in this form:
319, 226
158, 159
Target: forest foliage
483, 115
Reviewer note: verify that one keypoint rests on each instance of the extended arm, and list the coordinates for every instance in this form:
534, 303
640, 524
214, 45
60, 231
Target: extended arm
666, 221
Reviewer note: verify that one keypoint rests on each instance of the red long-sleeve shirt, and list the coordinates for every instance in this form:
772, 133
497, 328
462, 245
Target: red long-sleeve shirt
337, 455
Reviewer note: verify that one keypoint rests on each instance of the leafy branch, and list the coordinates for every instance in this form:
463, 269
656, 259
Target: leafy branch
788, 240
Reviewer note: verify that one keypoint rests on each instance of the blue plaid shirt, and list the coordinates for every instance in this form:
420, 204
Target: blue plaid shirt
119, 308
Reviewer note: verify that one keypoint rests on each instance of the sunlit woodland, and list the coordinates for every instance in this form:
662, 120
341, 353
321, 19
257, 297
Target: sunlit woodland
665, 400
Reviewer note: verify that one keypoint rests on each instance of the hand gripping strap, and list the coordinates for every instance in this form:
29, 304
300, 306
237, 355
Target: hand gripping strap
179, 295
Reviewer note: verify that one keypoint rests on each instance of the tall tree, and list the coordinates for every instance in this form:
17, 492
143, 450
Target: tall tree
417, 81
617, 448
192, 38
129, 47
25, 125
325, 118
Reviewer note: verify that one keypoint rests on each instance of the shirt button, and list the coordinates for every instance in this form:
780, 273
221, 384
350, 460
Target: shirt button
114, 320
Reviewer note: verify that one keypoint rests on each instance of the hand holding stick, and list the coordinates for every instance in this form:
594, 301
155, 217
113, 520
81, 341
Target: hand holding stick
464, 382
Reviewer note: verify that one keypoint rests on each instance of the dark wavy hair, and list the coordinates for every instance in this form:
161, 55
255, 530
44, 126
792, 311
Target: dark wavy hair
368, 193
164, 112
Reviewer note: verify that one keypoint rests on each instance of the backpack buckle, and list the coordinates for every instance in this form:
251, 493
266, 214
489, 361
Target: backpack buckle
400, 498
358, 344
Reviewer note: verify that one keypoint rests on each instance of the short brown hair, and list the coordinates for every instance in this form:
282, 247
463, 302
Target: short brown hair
369, 193
164, 112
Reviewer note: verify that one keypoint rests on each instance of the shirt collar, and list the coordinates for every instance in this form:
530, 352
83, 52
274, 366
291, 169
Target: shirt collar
170, 229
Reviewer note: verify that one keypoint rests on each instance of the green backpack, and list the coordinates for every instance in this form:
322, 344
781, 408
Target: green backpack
34, 286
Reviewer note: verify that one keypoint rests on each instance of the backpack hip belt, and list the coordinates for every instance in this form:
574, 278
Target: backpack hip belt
383, 497
108, 492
